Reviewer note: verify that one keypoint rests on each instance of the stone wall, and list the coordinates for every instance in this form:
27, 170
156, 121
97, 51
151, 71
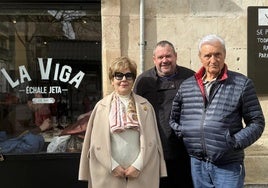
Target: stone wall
183, 23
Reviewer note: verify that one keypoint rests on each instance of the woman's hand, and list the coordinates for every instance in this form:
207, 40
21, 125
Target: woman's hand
119, 172
132, 172
46, 125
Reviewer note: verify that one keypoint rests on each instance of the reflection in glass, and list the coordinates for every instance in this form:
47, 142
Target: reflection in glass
67, 42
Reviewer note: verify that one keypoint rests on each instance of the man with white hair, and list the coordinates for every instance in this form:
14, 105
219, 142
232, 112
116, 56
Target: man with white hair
207, 112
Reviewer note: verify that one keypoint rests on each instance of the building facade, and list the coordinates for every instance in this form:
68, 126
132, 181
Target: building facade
63, 50
184, 23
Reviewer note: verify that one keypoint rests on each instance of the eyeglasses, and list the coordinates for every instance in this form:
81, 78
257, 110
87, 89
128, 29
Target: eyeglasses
120, 76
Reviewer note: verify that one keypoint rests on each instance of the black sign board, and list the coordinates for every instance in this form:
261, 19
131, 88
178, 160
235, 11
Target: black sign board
258, 47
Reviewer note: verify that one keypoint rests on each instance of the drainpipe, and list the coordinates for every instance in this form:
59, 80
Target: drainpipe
142, 42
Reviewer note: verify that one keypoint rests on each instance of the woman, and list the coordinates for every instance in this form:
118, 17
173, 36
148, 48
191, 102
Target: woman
122, 147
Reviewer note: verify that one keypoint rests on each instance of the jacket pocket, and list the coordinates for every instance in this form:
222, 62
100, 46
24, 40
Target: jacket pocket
230, 140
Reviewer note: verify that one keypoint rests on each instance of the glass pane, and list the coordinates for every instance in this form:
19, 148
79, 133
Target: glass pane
50, 62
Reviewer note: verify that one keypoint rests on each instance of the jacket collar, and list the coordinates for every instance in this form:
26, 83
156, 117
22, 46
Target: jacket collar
199, 75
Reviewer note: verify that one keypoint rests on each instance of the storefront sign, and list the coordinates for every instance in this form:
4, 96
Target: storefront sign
60, 73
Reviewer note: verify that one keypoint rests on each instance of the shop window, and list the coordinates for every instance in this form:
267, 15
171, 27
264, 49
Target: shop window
50, 60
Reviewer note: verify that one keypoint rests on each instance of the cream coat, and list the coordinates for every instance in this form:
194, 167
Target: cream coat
95, 163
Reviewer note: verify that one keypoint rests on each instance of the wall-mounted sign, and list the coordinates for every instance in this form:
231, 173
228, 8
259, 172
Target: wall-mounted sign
258, 47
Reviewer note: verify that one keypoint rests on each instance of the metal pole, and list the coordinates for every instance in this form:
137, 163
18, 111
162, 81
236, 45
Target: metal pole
142, 43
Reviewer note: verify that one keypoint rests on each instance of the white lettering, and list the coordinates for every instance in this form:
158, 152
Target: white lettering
263, 55
259, 32
54, 89
56, 73
265, 47
45, 71
33, 90
262, 40
24, 74
65, 73
77, 78
10, 81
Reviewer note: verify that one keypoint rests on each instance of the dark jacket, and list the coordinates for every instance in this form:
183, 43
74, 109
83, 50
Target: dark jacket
160, 92
27, 142
212, 129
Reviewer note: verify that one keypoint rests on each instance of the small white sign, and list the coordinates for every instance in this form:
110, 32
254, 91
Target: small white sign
263, 16
49, 100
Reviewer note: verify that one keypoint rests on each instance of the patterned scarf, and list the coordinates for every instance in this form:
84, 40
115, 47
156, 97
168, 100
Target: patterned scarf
121, 118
